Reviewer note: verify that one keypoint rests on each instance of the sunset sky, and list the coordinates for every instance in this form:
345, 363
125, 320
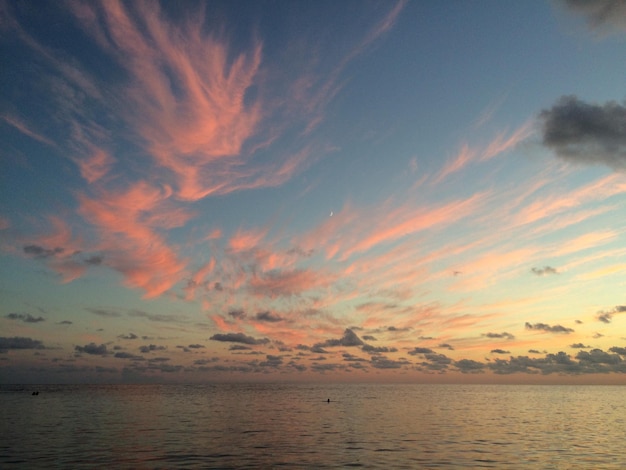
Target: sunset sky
428, 191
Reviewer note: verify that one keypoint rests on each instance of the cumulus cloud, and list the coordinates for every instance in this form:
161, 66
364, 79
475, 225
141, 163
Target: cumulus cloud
93, 349
586, 133
618, 350
238, 314
503, 335
126, 355
607, 316
128, 336
377, 349
604, 16
500, 351
548, 328
238, 338
19, 342
469, 366
151, 347
416, 351
268, 317
382, 362
349, 338
435, 362
25, 317
546, 270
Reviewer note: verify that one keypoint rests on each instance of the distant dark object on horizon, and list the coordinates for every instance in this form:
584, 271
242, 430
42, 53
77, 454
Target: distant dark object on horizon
329, 400
35, 393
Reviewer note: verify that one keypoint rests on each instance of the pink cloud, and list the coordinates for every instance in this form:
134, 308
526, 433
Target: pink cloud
129, 224
58, 249
499, 145
549, 206
502, 143
393, 224
198, 279
246, 240
26, 130
96, 166
285, 283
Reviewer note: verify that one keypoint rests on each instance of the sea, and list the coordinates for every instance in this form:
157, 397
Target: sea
245, 426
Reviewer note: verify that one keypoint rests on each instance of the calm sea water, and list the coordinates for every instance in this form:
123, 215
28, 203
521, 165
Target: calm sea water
293, 426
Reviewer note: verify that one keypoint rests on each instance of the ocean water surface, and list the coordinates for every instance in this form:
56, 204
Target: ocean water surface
294, 426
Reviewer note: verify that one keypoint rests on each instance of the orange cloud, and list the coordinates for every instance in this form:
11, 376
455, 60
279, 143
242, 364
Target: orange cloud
96, 166
129, 223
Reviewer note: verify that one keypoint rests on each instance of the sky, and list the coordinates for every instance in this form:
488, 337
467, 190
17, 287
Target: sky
376, 191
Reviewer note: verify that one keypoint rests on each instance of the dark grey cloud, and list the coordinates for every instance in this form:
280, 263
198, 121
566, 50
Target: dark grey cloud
271, 361
369, 338
604, 16
128, 336
19, 342
545, 271
586, 133
593, 362
238, 314
93, 349
377, 349
238, 338
104, 313
127, 355
25, 317
64, 322
37, 251
196, 346
95, 260
395, 328
578, 346
326, 367
597, 356
551, 329
435, 362
618, 350
607, 316
352, 358
349, 338
447, 346
268, 317
239, 347
500, 351
158, 359
469, 366
382, 362
151, 347
503, 335
416, 351
156, 317
201, 362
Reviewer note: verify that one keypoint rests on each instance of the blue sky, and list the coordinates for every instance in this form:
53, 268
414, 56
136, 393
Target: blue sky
375, 191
